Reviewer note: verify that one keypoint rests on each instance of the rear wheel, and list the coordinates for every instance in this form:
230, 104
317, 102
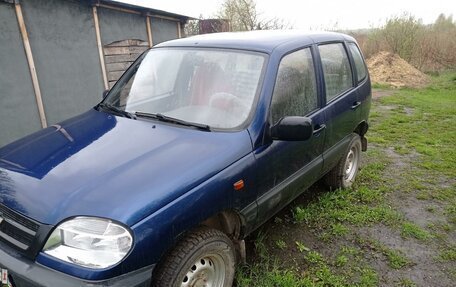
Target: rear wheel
344, 173
204, 257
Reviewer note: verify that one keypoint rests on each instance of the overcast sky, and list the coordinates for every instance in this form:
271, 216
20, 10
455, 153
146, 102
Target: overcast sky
318, 14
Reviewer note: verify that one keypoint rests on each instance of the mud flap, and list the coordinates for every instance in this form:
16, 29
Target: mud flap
363, 144
240, 251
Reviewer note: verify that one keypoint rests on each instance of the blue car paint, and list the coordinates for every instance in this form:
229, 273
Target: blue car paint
158, 179
134, 164
93, 183
159, 230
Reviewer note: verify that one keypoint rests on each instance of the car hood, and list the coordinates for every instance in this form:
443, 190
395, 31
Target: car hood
97, 164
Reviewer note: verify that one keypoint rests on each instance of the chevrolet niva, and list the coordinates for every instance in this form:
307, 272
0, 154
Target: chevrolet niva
201, 141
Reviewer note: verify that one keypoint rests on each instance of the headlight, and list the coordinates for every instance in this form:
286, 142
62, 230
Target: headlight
89, 242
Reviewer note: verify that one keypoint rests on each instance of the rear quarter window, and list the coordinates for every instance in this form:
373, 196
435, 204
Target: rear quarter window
336, 69
360, 66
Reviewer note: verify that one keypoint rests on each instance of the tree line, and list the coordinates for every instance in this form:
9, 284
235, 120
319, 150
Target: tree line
429, 47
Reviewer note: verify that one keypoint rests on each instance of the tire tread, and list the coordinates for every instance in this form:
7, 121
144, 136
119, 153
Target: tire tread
334, 178
172, 262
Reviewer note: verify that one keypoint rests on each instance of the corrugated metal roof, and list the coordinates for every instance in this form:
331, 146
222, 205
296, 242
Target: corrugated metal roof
142, 9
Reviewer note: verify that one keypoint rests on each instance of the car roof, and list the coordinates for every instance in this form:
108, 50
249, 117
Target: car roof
262, 41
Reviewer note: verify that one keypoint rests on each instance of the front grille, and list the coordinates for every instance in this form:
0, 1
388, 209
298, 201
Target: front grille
20, 219
16, 229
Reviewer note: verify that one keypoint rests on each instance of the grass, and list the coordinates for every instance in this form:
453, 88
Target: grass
260, 246
332, 210
380, 86
396, 259
412, 230
314, 257
281, 244
269, 273
341, 260
301, 247
414, 128
448, 254
405, 282
426, 119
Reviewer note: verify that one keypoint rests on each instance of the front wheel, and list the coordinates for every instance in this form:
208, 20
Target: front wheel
344, 173
205, 257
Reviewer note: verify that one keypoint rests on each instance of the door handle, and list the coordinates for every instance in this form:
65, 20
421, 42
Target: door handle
355, 105
319, 129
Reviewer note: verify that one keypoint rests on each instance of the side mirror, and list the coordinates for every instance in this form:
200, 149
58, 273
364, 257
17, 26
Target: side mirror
292, 129
105, 93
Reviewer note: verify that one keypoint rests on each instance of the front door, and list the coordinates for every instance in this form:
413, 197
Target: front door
286, 168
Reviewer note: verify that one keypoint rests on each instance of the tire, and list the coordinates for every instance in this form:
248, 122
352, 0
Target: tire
205, 257
344, 173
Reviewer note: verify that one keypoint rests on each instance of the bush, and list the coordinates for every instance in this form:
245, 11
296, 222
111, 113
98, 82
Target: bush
430, 48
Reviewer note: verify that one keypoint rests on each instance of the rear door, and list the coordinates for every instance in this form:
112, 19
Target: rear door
341, 101
363, 87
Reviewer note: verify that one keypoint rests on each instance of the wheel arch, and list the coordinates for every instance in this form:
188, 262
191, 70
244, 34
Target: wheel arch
228, 221
361, 130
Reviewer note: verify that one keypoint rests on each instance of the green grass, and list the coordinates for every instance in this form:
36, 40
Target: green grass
260, 246
341, 260
417, 126
450, 212
338, 229
368, 277
334, 209
405, 282
281, 244
412, 230
380, 86
396, 259
265, 275
314, 257
301, 247
269, 274
428, 129
449, 254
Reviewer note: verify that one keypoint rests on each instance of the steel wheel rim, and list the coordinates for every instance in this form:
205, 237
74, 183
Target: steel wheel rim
351, 163
207, 271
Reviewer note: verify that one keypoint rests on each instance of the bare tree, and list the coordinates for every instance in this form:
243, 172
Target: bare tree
192, 27
243, 16
401, 34
429, 48
442, 38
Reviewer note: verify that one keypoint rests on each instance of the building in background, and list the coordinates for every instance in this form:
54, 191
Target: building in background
214, 26
58, 56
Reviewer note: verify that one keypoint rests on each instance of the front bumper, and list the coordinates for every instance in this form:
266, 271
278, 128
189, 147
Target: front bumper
26, 273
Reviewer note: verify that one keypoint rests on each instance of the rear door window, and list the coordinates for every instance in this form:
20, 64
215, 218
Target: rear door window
336, 69
359, 62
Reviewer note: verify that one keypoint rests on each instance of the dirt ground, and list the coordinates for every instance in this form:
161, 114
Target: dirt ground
424, 269
405, 253
377, 93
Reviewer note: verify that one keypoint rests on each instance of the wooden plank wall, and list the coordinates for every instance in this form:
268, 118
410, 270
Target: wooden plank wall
120, 55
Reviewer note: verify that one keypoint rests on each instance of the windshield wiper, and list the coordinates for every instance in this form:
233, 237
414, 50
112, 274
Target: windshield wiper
168, 119
117, 111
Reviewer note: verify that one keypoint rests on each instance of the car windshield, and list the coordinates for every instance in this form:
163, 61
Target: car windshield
212, 87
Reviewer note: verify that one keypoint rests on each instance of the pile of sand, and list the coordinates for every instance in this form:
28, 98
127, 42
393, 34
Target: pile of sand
388, 68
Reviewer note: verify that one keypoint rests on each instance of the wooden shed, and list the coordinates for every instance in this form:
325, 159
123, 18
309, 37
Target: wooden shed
58, 56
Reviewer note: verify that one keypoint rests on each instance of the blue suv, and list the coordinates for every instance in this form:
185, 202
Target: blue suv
201, 141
